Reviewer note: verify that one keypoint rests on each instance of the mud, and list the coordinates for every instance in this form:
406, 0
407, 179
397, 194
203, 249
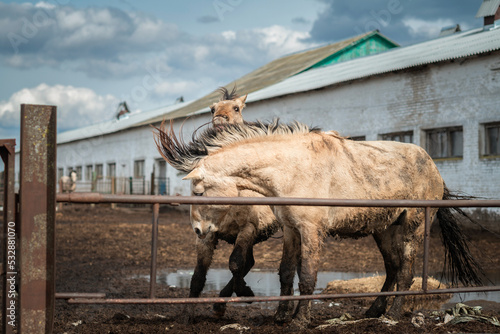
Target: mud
98, 250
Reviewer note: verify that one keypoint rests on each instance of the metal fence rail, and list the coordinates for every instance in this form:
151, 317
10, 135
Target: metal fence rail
34, 307
176, 200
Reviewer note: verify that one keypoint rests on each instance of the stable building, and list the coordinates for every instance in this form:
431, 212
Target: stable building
442, 94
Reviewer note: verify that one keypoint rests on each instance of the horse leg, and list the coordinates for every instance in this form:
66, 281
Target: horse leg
398, 247
404, 277
242, 260
384, 242
204, 251
308, 271
240, 263
288, 266
409, 238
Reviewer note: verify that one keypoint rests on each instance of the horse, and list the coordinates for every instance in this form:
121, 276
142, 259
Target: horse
243, 226
294, 160
229, 108
67, 184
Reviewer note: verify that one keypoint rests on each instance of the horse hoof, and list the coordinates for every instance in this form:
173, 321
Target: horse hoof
219, 310
284, 312
372, 313
296, 326
187, 316
245, 292
393, 315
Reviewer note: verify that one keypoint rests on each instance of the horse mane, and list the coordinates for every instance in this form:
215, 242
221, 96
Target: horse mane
185, 157
226, 95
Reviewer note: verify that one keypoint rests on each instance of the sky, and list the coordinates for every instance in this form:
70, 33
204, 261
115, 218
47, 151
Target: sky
86, 57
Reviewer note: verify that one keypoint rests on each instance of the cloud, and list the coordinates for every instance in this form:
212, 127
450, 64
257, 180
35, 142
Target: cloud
109, 43
76, 106
207, 19
300, 20
426, 29
396, 19
47, 35
178, 87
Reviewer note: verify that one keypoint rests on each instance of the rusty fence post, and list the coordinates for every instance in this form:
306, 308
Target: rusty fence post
37, 199
154, 250
9, 240
427, 236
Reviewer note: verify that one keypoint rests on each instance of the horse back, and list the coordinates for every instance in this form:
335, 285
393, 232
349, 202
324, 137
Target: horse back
387, 170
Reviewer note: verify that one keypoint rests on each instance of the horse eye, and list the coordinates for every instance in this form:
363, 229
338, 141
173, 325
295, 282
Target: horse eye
236, 109
212, 110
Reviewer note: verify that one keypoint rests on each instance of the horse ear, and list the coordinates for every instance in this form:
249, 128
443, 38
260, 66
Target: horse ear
195, 174
243, 98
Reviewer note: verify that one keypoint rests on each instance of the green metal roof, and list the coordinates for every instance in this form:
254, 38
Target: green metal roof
368, 45
287, 66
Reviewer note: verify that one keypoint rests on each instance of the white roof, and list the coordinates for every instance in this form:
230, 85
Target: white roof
455, 46
115, 125
458, 45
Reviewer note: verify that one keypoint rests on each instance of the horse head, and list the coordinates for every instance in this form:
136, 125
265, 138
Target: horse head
206, 218
228, 109
73, 176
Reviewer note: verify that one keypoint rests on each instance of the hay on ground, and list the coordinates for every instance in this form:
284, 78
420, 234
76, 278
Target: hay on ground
375, 283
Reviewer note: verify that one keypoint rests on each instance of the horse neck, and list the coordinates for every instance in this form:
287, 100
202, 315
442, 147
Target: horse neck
254, 166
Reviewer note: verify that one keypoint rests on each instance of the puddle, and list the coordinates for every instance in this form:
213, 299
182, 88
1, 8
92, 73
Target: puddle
266, 283
493, 296
263, 283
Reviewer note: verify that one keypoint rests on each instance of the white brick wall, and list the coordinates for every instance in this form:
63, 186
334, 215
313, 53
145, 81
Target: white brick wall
459, 93
449, 94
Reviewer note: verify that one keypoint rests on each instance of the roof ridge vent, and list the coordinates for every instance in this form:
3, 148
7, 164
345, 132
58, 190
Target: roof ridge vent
450, 30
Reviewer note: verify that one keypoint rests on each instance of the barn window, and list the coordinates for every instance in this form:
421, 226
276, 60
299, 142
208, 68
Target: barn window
88, 172
139, 168
99, 171
445, 142
358, 138
492, 138
403, 137
60, 173
78, 170
111, 170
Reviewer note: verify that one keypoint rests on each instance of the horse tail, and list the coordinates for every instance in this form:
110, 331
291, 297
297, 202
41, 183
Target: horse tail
460, 265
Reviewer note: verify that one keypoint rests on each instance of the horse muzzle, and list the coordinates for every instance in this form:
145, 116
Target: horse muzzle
220, 120
202, 234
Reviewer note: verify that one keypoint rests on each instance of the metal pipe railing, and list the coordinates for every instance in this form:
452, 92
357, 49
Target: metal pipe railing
275, 298
176, 200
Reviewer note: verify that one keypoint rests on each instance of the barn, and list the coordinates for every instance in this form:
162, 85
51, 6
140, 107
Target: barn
442, 94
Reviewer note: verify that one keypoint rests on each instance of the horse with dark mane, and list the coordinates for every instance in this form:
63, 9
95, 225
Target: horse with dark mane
281, 160
229, 108
243, 226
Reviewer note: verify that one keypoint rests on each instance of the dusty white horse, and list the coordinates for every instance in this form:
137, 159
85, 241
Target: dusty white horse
295, 161
243, 226
67, 184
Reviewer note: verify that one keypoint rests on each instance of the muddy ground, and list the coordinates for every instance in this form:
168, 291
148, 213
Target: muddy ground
99, 249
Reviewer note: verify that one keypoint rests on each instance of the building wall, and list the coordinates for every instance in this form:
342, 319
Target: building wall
442, 95
457, 93
123, 148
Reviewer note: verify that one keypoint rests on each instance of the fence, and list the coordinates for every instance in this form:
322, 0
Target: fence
35, 221
176, 200
124, 185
